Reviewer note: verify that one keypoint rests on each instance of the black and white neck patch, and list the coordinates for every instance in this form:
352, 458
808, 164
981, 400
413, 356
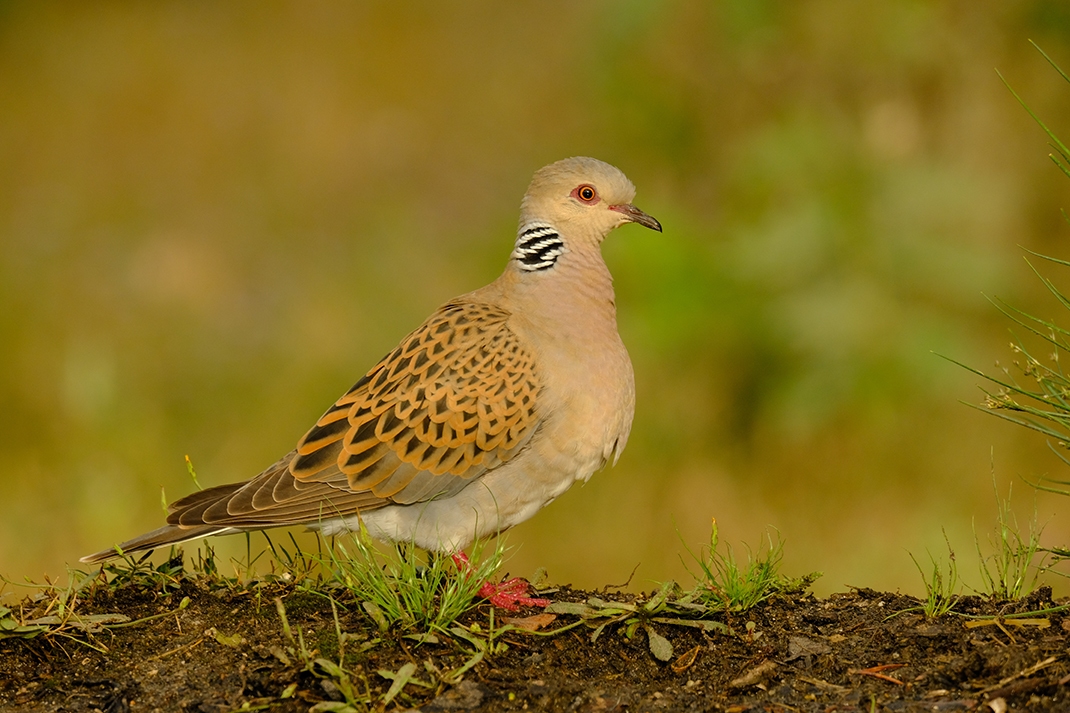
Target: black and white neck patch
537, 247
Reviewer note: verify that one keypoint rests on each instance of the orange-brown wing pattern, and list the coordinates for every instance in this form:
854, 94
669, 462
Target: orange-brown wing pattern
456, 397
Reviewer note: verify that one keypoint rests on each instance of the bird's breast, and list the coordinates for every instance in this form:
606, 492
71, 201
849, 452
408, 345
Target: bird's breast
588, 401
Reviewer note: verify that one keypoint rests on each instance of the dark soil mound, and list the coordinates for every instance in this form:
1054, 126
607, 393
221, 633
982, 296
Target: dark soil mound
226, 649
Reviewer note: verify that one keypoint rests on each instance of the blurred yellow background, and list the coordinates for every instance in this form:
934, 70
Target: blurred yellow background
215, 217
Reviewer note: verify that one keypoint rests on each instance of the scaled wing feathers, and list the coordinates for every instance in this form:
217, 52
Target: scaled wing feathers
456, 398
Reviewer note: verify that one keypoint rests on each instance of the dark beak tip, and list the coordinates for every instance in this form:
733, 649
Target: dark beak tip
647, 221
635, 215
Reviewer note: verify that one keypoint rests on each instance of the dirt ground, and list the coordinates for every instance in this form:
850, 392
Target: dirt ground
225, 649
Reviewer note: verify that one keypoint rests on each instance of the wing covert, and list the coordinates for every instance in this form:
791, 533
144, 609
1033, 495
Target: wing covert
455, 398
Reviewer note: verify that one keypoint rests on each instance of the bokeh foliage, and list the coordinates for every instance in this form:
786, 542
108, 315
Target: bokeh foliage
213, 218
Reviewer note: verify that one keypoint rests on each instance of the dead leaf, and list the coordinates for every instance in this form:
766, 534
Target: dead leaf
575, 608
1000, 622
755, 676
530, 623
659, 645
825, 685
685, 660
799, 646
280, 655
233, 640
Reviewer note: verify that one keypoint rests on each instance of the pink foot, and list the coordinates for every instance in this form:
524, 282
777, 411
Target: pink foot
510, 594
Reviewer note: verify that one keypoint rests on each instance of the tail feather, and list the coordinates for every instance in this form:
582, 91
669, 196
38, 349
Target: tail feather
189, 511
166, 535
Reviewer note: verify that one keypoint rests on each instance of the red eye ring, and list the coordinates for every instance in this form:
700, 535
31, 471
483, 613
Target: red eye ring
585, 193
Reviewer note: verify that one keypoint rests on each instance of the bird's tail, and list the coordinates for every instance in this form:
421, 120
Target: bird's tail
166, 535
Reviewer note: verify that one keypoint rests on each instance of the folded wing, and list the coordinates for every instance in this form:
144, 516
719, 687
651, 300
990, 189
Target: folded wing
455, 399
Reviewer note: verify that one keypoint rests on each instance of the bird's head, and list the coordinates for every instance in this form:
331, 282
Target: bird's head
573, 203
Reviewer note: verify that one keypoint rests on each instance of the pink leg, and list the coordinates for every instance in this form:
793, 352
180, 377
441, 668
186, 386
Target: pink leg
510, 594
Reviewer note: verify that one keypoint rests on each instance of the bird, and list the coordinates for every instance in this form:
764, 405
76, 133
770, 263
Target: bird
497, 404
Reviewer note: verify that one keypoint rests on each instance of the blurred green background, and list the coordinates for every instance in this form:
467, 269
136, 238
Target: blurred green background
215, 217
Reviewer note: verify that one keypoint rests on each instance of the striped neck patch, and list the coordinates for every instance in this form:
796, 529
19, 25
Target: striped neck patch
537, 247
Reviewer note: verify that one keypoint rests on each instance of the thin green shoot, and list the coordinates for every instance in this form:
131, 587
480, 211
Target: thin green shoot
1057, 144
193, 473
296, 565
401, 587
1014, 568
942, 588
1045, 407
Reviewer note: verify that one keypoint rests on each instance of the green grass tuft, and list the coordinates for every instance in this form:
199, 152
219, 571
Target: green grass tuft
942, 592
401, 587
1035, 395
1013, 570
726, 583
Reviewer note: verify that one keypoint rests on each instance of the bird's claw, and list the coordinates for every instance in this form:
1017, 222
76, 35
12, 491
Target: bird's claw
511, 594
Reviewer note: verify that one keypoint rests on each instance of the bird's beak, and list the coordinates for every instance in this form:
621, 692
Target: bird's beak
634, 215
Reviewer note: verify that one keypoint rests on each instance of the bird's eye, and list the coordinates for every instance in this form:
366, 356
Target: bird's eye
586, 193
